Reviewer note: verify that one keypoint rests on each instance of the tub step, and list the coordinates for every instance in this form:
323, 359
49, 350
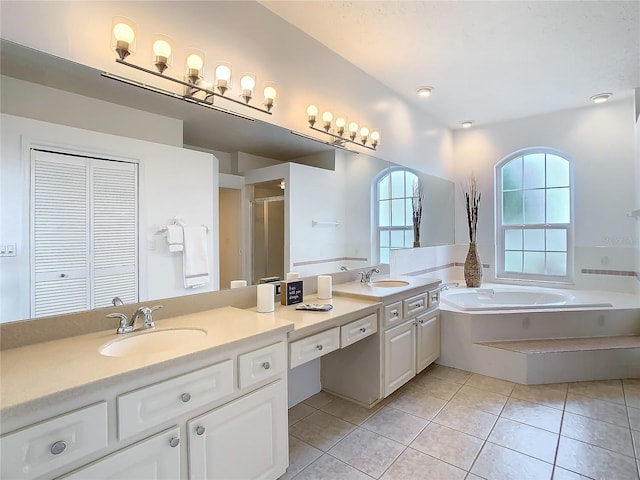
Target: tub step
567, 344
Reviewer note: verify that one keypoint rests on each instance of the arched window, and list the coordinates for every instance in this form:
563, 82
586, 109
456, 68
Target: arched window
393, 191
534, 216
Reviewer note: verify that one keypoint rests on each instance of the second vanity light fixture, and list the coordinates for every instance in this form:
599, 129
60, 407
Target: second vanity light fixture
196, 89
342, 131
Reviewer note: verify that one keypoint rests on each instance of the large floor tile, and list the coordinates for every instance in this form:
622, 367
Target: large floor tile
396, 425
636, 442
435, 387
495, 385
533, 414
448, 445
319, 399
299, 411
412, 465
418, 403
598, 409
367, 451
634, 418
466, 420
480, 399
632, 392
348, 411
499, 463
301, 455
523, 438
550, 395
330, 468
607, 390
449, 374
595, 432
595, 462
562, 474
321, 430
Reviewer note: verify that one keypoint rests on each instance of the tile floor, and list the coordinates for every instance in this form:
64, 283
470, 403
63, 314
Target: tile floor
450, 424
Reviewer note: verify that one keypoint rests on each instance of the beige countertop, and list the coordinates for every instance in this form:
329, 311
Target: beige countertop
365, 291
345, 309
39, 372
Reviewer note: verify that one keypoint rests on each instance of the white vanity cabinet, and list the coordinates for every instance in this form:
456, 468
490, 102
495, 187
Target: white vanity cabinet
411, 340
244, 439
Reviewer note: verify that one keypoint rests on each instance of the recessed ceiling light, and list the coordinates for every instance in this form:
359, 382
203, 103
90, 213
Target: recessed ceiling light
466, 123
424, 92
601, 97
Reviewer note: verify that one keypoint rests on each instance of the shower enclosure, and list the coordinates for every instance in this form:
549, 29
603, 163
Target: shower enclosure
267, 233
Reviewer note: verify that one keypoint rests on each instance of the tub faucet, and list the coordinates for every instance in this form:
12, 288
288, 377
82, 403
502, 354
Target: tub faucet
365, 277
127, 326
445, 286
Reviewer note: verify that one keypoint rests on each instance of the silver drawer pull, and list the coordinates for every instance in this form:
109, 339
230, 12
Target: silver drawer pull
319, 347
174, 442
266, 365
58, 447
200, 430
185, 397
417, 305
394, 313
363, 329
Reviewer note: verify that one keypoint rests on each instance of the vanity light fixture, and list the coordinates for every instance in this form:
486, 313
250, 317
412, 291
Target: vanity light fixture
467, 124
601, 97
341, 131
194, 87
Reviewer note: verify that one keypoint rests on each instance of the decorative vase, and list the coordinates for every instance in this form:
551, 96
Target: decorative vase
473, 267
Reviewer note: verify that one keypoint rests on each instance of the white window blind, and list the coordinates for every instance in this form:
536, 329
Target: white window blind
84, 235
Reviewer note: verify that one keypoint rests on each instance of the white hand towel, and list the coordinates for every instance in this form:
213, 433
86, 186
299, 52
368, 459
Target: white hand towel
194, 257
175, 239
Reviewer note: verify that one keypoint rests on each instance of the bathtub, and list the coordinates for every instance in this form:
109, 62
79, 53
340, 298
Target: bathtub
516, 298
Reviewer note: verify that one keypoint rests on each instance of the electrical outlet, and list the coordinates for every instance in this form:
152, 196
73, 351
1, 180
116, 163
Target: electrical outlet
3, 250
11, 250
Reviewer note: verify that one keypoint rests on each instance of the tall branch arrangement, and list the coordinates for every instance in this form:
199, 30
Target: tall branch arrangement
472, 199
416, 203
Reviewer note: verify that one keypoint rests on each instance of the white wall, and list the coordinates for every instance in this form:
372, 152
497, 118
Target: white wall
600, 140
253, 39
165, 191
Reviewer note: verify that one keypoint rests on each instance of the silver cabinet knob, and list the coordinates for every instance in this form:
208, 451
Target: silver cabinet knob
363, 330
395, 313
185, 397
319, 347
58, 447
200, 430
174, 442
266, 365
63, 275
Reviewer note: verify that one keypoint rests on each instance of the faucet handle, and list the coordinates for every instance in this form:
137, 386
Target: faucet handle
157, 307
148, 319
124, 322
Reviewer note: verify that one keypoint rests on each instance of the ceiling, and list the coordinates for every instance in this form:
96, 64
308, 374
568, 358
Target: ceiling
487, 61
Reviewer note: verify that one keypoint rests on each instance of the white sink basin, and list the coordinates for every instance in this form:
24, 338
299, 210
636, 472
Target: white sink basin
152, 341
390, 283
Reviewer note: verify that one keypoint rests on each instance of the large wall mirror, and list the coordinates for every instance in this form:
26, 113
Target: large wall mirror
324, 198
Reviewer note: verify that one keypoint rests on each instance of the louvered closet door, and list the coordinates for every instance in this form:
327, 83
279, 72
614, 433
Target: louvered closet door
84, 243
114, 229
60, 234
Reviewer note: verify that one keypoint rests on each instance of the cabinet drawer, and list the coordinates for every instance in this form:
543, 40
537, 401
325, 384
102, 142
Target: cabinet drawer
415, 305
150, 406
301, 351
354, 331
36, 450
393, 314
434, 298
261, 364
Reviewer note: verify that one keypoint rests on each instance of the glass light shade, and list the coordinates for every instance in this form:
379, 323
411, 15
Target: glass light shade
223, 72
123, 36
247, 82
353, 130
195, 62
312, 110
327, 117
161, 48
375, 136
364, 132
269, 93
341, 122
162, 53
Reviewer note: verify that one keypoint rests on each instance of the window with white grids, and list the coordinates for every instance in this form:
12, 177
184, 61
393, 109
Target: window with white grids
534, 216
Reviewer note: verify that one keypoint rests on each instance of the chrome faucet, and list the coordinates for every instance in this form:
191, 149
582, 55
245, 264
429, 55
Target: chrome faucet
127, 326
446, 285
365, 277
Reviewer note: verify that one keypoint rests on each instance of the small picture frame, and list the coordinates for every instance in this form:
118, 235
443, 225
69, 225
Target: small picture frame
291, 292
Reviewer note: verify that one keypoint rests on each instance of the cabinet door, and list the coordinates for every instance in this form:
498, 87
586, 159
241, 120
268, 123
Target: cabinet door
244, 439
399, 356
428, 339
157, 457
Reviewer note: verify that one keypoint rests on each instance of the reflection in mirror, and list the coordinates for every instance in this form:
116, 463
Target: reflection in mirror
326, 218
